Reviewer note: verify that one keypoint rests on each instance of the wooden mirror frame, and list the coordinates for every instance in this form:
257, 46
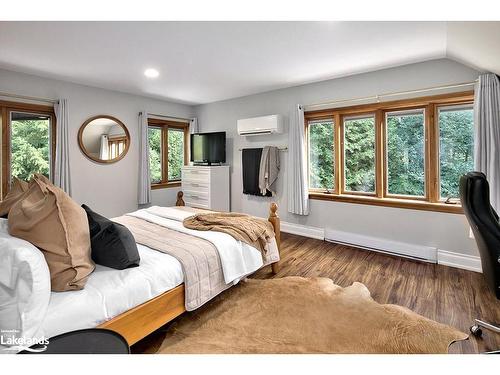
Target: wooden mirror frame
87, 154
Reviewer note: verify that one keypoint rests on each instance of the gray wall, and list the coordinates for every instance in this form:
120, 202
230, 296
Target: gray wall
111, 189
444, 231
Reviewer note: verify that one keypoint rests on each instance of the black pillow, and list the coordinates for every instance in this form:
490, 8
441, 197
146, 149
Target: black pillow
112, 244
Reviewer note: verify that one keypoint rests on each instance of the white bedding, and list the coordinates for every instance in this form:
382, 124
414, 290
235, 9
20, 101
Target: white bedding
238, 259
110, 292
24, 287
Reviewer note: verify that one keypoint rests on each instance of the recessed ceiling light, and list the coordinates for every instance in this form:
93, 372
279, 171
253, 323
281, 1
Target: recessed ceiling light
151, 73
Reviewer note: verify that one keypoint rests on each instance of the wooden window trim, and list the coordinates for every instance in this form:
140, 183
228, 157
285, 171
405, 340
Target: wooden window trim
164, 125
436, 140
6, 108
386, 193
335, 149
431, 201
342, 187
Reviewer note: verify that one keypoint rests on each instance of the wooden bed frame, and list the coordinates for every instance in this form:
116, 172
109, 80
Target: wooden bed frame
146, 318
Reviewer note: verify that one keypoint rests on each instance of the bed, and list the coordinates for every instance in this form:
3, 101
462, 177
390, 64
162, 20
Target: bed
133, 302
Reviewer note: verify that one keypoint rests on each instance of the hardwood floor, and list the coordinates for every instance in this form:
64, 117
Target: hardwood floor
447, 295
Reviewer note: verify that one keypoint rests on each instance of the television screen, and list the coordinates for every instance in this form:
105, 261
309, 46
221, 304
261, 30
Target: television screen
208, 147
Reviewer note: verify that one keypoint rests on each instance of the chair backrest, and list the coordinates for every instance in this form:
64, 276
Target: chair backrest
483, 220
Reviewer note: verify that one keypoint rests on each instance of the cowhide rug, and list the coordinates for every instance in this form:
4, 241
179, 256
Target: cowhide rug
304, 315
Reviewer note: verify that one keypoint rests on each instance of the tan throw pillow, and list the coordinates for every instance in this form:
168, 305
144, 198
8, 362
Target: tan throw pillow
41, 177
48, 218
16, 191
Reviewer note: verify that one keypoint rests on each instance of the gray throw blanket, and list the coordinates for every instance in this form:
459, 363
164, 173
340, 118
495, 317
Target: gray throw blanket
269, 169
201, 264
203, 276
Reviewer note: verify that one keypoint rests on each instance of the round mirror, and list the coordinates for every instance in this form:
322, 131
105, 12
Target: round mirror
104, 139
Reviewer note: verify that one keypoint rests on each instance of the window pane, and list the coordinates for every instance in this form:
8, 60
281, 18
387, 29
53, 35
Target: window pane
359, 154
154, 136
456, 146
175, 153
30, 145
321, 151
405, 153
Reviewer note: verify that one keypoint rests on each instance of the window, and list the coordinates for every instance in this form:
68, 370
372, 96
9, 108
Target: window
359, 154
167, 151
321, 151
456, 146
116, 145
407, 153
155, 157
175, 153
28, 131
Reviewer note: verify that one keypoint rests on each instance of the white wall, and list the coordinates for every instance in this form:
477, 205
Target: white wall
444, 231
110, 189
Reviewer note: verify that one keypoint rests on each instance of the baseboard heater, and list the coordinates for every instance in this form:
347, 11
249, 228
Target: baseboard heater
425, 253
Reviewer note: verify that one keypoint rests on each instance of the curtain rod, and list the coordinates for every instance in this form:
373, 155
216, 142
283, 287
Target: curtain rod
389, 94
168, 117
32, 98
279, 148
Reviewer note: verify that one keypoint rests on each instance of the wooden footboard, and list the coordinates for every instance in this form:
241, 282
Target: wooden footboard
137, 323
273, 219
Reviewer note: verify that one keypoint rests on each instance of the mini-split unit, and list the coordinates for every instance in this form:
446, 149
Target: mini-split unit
272, 124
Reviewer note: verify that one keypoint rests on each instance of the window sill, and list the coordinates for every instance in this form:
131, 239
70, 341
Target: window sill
165, 185
389, 202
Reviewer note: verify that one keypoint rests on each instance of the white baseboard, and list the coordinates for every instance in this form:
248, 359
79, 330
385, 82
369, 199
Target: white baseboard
303, 230
426, 253
458, 260
421, 252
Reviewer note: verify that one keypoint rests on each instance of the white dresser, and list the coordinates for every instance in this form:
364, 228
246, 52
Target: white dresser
206, 187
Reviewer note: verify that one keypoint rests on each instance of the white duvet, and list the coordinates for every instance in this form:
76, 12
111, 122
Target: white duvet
28, 306
24, 287
238, 259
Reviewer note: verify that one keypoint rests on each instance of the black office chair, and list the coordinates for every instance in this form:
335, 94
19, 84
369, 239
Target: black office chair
483, 220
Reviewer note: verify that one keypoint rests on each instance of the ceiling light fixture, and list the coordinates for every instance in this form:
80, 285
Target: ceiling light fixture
151, 73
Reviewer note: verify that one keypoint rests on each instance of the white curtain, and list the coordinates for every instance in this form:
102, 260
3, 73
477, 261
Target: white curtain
62, 176
487, 133
144, 173
193, 125
104, 149
298, 199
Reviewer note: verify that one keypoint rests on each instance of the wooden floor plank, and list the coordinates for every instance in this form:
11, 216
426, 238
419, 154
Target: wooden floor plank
448, 295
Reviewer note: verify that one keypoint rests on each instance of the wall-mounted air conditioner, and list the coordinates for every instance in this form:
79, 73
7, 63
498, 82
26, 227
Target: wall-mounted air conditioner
272, 124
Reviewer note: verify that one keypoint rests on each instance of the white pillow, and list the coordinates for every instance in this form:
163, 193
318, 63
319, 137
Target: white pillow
24, 287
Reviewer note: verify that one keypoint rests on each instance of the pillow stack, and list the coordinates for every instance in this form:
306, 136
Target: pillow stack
113, 245
46, 216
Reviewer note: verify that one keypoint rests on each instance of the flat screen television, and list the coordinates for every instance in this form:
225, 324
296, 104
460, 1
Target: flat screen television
208, 148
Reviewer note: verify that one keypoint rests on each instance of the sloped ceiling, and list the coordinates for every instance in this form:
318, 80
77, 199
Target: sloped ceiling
476, 44
202, 62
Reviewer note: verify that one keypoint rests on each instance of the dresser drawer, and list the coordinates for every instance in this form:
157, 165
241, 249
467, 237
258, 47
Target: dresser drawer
195, 185
195, 175
195, 196
196, 201
197, 205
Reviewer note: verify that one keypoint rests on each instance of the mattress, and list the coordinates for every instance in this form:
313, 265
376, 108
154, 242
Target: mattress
110, 292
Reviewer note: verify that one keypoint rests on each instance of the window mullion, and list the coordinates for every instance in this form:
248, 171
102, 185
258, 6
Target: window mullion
379, 154
432, 147
339, 151
164, 153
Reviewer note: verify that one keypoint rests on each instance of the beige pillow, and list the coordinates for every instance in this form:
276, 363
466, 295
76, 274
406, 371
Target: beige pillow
16, 191
48, 218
